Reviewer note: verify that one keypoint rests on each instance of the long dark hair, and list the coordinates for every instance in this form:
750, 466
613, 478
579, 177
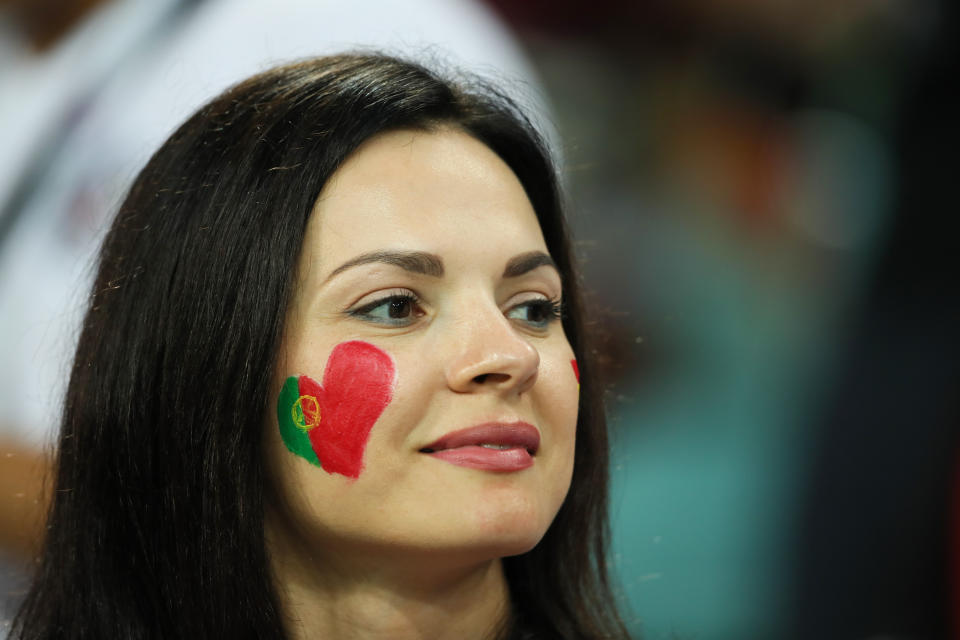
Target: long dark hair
157, 524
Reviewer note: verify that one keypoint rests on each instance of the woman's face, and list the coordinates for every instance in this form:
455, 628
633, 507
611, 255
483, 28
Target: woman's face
426, 396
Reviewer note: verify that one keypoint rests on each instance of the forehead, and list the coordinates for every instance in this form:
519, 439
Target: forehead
441, 191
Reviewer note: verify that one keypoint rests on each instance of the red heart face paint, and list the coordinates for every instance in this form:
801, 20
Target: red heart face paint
576, 370
329, 424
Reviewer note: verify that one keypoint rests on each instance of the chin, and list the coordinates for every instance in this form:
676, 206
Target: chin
521, 546
501, 545
511, 529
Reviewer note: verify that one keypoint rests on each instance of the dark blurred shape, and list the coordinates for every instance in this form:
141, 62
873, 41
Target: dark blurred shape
874, 536
572, 18
46, 21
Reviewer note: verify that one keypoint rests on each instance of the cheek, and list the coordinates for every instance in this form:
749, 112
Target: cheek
560, 406
562, 390
328, 423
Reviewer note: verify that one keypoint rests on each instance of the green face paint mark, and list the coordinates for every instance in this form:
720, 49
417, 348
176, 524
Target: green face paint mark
293, 421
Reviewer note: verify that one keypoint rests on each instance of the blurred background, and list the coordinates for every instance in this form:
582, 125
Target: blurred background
762, 193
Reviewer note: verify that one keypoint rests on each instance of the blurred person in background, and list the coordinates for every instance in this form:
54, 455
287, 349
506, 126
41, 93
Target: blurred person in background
88, 89
878, 526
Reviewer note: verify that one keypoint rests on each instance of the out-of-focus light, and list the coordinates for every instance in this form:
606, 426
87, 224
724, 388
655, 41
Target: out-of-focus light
843, 183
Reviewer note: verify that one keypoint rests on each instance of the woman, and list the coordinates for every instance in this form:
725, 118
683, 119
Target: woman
325, 387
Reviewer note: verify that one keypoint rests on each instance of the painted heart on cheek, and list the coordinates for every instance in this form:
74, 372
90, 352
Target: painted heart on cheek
329, 424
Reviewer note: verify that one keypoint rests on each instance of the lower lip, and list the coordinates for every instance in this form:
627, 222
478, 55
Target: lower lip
484, 459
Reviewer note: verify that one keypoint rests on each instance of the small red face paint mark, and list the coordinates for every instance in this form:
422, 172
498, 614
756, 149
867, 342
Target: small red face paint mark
336, 418
576, 370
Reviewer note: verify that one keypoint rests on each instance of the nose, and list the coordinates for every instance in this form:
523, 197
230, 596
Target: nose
489, 353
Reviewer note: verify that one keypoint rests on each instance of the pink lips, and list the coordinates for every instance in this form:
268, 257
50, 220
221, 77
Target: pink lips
494, 446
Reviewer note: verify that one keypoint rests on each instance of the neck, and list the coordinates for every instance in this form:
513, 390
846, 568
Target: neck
363, 595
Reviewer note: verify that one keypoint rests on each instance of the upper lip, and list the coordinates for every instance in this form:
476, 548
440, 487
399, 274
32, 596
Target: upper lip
519, 434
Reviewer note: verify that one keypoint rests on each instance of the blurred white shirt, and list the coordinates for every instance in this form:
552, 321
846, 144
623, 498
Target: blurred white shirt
123, 81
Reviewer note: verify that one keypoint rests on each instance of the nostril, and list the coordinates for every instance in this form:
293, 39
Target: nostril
491, 378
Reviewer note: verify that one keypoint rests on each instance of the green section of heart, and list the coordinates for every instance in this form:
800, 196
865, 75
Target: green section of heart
294, 437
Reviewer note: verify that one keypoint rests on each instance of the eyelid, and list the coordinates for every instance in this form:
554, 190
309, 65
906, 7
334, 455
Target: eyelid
529, 296
545, 281
380, 295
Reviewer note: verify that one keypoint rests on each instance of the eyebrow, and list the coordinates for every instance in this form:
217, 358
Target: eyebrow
421, 262
526, 262
430, 264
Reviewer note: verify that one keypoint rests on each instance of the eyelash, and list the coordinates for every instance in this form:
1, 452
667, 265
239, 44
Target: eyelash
549, 309
365, 312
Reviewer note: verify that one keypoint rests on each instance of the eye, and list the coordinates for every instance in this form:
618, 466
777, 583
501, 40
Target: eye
539, 313
396, 310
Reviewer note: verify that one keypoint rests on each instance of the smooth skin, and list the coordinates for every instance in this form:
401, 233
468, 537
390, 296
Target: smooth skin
407, 249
